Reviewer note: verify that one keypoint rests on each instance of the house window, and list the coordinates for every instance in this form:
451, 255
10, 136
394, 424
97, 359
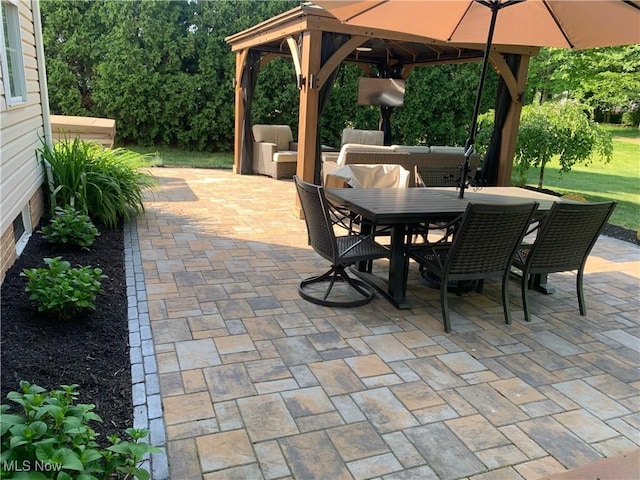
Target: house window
13, 77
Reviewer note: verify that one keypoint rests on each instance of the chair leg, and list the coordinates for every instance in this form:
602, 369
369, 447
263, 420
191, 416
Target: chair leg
357, 285
524, 287
505, 298
337, 273
332, 282
445, 306
581, 303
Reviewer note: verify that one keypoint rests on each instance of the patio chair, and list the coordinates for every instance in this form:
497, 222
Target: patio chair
483, 246
444, 171
274, 151
341, 251
563, 243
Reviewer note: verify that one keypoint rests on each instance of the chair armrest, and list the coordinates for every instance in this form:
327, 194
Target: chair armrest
293, 146
264, 150
330, 156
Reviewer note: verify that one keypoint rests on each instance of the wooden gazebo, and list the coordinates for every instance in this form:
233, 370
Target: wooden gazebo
318, 43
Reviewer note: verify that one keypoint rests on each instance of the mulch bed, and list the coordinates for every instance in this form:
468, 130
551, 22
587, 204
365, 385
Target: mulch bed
91, 350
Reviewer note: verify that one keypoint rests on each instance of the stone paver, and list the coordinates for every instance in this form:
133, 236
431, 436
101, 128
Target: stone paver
237, 377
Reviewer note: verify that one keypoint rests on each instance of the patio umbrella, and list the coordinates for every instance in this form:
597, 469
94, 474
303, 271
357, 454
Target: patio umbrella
576, 24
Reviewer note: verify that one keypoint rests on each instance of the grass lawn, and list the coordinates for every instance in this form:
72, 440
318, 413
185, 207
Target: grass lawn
617, 180
174, 157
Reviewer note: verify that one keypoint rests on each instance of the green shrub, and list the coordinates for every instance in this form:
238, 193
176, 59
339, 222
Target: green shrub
549, 129
50, 438
108, 185
70, 227
61, 290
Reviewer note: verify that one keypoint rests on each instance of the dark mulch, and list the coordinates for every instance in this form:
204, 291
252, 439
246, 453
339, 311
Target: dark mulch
91, 350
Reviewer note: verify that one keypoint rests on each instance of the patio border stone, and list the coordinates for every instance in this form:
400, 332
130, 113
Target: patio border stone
147, 404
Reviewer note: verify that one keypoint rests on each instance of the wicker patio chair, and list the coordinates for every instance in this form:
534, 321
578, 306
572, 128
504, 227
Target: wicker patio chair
563, 243
483, 246
442, 172
341, 251
440, 175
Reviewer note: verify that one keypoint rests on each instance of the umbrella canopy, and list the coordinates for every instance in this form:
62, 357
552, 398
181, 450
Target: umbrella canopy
542, 23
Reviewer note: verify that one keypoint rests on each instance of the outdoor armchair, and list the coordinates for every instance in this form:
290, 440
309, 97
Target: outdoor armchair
341, 251
274, 152
483, 246
563, 243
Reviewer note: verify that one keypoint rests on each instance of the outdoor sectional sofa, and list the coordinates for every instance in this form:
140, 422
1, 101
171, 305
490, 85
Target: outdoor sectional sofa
438, 157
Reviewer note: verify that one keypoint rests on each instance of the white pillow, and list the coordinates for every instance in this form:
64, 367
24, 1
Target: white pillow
360, 148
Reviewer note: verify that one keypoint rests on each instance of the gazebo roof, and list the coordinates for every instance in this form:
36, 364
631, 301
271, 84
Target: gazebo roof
380, 46
299, 33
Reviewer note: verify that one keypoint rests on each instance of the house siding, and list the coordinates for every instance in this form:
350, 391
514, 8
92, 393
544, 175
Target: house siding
21, 131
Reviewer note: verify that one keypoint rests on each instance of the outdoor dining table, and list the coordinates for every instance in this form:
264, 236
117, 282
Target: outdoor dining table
402, 209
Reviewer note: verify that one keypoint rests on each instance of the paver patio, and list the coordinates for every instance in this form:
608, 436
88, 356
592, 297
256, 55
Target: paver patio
257, 383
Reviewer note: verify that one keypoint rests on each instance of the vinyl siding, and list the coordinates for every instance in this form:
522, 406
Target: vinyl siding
21, 128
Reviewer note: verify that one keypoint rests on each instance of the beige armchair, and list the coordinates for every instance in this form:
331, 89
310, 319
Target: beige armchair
274, 151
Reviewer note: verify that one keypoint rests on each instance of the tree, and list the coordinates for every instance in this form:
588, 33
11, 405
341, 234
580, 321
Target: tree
140, 81
439, 103
607, 79
553, 128
71, 33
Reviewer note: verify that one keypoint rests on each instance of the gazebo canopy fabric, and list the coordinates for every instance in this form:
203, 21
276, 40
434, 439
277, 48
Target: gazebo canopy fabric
305, 33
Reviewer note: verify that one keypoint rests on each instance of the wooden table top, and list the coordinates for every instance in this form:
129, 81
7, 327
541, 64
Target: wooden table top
412, 205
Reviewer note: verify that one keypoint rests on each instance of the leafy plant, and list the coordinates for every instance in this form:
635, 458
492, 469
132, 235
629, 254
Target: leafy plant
70, 227
108, 185
62, 290
563, 129
50, 438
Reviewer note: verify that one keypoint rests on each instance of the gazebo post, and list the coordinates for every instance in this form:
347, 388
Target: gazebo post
309, 96
241, 58
510, 129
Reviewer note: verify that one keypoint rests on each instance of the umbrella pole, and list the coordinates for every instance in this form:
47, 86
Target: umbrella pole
469, 144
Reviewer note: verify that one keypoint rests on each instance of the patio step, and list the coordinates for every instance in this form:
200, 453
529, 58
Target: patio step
621, 467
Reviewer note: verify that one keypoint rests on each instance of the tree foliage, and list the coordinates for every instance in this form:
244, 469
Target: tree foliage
71, 34
606, 79
164, 71
565, 129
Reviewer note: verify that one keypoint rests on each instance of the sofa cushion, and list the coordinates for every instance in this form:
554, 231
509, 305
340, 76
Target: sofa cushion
286, 156
411, 148
447, 149
365, 137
